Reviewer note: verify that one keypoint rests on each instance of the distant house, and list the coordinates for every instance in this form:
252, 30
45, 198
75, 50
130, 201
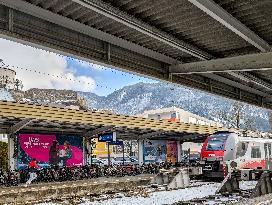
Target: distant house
175, 114
51, 97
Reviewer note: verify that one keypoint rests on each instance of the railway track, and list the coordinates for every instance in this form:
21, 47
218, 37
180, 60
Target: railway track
218, 199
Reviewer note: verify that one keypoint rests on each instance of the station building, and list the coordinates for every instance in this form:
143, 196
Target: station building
7, 78
175, 114
34, 130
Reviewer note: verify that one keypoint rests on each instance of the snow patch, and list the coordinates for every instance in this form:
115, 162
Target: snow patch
247, 185
5, 95
162, 197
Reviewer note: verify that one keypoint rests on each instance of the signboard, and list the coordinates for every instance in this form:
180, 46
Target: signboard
117, 142
107, 137
49, 150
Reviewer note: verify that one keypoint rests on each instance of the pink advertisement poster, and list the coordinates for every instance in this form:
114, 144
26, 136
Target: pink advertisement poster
47, 149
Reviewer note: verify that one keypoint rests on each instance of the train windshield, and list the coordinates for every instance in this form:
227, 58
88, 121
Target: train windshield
216, 142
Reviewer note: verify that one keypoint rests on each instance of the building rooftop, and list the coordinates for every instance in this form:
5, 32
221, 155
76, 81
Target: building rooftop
174, 109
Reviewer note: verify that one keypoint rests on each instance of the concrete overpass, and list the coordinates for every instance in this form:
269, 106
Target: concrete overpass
220, 46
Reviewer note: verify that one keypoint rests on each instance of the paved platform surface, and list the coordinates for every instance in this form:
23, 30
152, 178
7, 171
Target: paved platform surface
51, 191
85, 181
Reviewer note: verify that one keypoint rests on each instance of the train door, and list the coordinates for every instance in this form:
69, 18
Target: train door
268, 152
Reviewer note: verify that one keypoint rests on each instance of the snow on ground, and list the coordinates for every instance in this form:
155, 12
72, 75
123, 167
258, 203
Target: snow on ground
196, 190
158, 198
247, 185
162, 197
47, 204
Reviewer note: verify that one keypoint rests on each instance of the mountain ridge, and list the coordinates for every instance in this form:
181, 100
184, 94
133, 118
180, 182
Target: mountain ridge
137, 98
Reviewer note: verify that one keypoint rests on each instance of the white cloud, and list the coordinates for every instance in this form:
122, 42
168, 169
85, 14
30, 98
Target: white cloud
79, 83
18, 55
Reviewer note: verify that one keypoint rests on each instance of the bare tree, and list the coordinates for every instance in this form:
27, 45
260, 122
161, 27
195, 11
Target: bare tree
250, 124
235, 117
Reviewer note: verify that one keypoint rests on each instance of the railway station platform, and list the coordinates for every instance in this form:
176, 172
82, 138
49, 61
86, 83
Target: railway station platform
16, 118
72, 190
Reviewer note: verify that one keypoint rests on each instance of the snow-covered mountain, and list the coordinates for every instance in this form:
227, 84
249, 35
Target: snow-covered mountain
137, 98
140, 97
5, 95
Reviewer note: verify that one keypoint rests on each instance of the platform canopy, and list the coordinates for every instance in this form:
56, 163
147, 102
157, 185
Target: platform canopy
31, 118
219, 46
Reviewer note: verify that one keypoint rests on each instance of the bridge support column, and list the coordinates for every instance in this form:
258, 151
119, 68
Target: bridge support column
11, 159
141, 152
179, 148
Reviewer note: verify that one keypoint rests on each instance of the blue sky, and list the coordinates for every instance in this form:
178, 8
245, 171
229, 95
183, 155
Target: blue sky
107, 79
39, 68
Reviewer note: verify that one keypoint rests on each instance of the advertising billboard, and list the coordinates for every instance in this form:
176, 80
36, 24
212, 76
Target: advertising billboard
154, 151
50, 149
171, 149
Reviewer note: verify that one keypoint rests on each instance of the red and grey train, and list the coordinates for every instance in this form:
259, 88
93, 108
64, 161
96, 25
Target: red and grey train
223, 148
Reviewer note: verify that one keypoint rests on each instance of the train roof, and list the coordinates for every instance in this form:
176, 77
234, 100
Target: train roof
247, 134
254, 139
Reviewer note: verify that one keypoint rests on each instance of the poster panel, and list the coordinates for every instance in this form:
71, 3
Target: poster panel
171, 148
76, 154
154, 151
49, 149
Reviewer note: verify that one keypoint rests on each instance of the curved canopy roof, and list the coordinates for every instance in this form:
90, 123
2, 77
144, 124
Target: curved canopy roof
40, 118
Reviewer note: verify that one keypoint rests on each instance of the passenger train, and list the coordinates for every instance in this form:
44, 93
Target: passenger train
224, 148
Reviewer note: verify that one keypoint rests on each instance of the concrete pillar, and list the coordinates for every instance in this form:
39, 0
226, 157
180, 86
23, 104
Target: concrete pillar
109, 159
141, 152
179, 152
269, 184
263, 187
235, 184
84, 151
11, 159
89, 150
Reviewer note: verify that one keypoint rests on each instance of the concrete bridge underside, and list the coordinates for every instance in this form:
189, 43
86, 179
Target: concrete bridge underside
220, 46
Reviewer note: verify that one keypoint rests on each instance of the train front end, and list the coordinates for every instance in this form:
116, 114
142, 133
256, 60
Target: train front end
212, 155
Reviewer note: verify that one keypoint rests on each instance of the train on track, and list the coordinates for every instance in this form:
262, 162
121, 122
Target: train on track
224, 150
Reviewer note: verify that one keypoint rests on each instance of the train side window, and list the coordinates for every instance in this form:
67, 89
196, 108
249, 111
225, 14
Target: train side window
255, 152
241, 149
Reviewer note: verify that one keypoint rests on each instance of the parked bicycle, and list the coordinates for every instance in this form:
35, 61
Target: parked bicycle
62, 174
